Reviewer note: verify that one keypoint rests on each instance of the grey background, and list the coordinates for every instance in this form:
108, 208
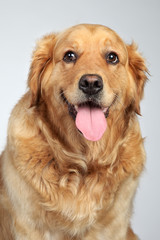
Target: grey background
23, 22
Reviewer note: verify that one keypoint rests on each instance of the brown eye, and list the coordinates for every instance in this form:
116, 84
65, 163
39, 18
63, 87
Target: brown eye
112, 58
70, 57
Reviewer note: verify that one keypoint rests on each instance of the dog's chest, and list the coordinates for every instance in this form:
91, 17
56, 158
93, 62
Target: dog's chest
77, 207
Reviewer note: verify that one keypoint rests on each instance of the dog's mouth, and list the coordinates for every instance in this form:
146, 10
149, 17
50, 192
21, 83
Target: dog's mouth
90, 117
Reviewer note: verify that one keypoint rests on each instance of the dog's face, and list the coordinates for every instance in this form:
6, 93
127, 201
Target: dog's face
88, 72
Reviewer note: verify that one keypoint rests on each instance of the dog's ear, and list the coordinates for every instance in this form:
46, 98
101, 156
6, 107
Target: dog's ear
139, 72
41, 59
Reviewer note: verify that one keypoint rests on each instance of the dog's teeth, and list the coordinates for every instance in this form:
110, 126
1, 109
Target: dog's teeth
76, 107
104, 110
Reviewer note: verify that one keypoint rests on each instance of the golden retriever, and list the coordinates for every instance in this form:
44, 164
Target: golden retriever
74, 150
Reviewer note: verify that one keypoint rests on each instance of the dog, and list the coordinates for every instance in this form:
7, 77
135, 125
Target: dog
74, 151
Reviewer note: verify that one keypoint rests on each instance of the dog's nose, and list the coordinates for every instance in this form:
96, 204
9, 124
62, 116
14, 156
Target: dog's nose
91, 84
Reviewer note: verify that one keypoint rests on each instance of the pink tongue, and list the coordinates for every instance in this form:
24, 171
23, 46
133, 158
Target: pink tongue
91, 122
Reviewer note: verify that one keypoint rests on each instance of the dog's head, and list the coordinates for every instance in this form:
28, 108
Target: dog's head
87, 73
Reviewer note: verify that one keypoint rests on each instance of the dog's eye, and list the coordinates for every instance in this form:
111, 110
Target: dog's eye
112, 58
70, 57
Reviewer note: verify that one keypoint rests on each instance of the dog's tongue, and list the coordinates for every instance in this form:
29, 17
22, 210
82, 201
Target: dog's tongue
91, 122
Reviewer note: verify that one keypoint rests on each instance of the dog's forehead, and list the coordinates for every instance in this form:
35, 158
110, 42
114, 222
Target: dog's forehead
87, 33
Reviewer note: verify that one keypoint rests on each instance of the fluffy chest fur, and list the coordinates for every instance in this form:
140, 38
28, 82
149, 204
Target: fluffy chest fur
75, 198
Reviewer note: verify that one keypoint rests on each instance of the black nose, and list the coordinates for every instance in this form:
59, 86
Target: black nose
91, 84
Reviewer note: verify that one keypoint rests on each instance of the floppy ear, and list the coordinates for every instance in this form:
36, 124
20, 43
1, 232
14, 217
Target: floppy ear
42, 57
139, 73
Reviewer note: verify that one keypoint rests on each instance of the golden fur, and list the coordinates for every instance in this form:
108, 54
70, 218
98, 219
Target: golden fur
55, 184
